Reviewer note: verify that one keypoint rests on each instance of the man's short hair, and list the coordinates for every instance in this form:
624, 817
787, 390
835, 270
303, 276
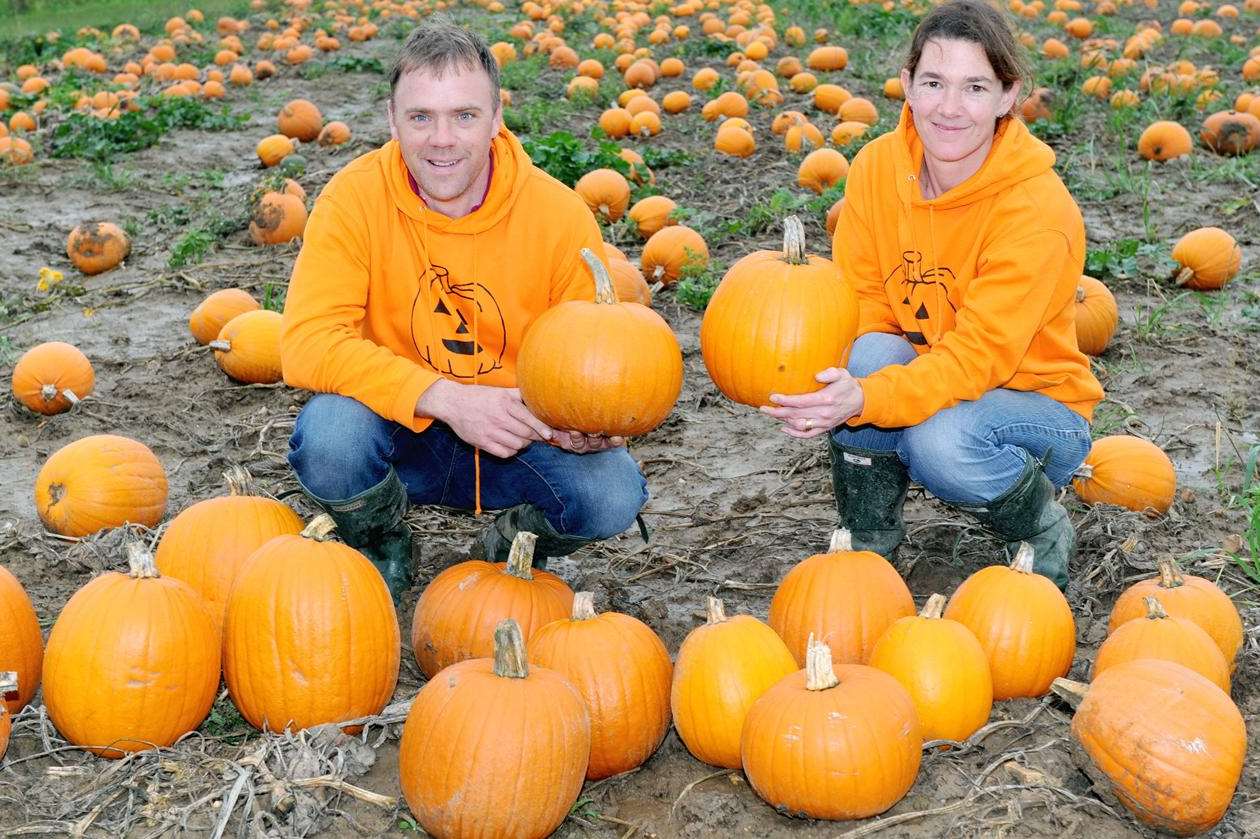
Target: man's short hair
438, 45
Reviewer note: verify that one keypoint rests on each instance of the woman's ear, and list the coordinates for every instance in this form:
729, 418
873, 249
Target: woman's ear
1009, 97
905, 83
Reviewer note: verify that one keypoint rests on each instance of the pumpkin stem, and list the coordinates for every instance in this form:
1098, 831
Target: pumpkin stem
716, 611
841, 540
819, 674
1154, 609
1184, 276
239, 481
1080, 294
510, 661
220, 346
319, 528
1023, 561
1085, 471
584, 605
1170, 574
140, 562
1070, 691
794, 241
604, 291
69, 396
934, 608
49, 392
8, 683
521, 555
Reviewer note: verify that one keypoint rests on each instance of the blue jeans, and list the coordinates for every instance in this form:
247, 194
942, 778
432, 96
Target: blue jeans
974, 452
340, 448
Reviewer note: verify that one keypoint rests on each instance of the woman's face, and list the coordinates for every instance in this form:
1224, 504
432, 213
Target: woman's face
955, 100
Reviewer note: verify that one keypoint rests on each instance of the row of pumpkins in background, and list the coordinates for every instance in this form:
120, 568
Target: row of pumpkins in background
600, 691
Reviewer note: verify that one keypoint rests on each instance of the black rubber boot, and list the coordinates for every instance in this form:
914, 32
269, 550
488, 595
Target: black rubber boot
1030, 512
496, 540
371, 522
870, 489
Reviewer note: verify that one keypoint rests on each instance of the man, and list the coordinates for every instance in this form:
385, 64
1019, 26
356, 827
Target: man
422, 265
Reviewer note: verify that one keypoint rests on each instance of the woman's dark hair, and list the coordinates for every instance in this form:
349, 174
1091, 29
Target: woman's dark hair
978, 22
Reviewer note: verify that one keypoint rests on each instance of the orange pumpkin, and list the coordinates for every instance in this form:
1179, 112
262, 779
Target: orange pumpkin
822, 169
98, 482
628, 282
623, 672
52, 377
278, 217
669, 251
652, 213
1184, 596
1096, 315
300, 119
734, 140
470, 735
1209, 257
310, 634
827, 58
274, 148
1164, 140
334, 133
722, 668
832, 743
1023, 622
606, 192
97, 246
815, 320
1231, 132
132, 661
1128, 472
23, 648
248, 347
1159, 636
216, 310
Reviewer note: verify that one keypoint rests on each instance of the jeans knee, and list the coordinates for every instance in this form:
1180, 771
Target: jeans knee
876, 350
339, 447
943, 463
606, 495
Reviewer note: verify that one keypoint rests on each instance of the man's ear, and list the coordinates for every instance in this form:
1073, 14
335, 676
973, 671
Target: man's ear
389, 112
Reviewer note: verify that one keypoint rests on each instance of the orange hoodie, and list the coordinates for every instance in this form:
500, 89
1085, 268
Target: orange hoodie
388, 295
981, 280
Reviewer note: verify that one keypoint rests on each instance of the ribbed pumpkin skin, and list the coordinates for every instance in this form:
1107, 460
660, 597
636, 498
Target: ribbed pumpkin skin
721, 670
944, 669
311, 636
1128, 472
53, 363
1179, 640
845, 599
606, 192
628, 282
98, 482
458, 611
131, 663
1024, 624
207, 544
600, 368
254, 354
23, 649
1211, 254
216, 310
622, 670
1171, 742
1096, 316
1195, 599
492, 757
666, 253
847, 752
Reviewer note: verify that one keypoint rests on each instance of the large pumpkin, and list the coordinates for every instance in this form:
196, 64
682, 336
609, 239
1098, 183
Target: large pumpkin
722, 668
458, 611
23, 649
300, 119
1171, 742
132, 661
494, 748
52, 377
1096, 315
1158, 635
1184, 596
97, 246
1209, 257
622, 670
1129, 472
826, 743
844, 598
310, 635
207, 544
99, 482
601, 368
775, 321
1023, 622
248, 347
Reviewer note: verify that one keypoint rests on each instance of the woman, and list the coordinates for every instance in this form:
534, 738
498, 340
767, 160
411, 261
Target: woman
965, 249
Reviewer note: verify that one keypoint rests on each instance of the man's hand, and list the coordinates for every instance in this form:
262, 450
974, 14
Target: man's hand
579, 443
494, 419
810, 414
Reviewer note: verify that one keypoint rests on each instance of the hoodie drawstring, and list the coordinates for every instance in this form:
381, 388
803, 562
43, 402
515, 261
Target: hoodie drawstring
476, 368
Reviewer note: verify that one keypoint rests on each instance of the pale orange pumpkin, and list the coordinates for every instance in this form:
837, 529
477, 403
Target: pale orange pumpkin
827, 58
1209, 257
832, 743
470, 734
310, 634
1184, 596
274, 148
132, 661
216, 310
1129, 472
248, 347
99, 482
652, 213
1157, 635
1022, 621
23, 648
300, 119
278, 217
1096, 315
606, 192
52, 377
751, 353
623, 672
669, 251
97, 246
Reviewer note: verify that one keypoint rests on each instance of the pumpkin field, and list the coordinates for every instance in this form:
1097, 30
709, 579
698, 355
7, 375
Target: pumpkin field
153, 157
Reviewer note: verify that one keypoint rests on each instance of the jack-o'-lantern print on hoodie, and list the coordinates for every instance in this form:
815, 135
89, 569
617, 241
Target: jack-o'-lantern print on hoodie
980, 280
388, 295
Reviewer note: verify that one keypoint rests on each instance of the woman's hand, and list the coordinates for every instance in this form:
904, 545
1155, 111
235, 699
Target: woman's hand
810, 414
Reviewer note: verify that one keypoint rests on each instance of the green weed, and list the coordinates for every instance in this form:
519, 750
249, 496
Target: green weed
1250, 501
226, 723
566, 158
193, 246
697, 283
1151, 322
81, 135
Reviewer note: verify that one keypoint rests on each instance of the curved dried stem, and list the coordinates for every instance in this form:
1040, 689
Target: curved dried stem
1184, 276
219, 345
841, 540
604, 290
1023, 561
1170, 574
819, 673
1080, 294
794, 241
520, 560
320, 528
510, 660
1085, 471
583, 606
1154, 609
239, 481
934, 607
1070, 691
140, 562
716, 611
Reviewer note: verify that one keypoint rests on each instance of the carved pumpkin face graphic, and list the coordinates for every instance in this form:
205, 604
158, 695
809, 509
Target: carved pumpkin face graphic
925, 293
453, 349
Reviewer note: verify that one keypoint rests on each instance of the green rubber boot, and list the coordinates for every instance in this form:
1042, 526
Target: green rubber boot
496, 540
371, 522
870, 489
1030, 512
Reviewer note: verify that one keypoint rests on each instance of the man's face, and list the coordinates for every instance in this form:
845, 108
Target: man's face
444, 127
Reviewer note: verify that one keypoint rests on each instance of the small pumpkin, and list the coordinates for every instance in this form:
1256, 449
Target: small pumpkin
606, 192
652, 213
734, 140
827, 58
217, 309
832, 742
300, 119
1164, 140
97, 246
623, 672
615, 122
1184, 596
671, 250
310, 635
99, 482
278, 217
1157, 635
859, 109
496, 747
23, 648
603, 367
1129, 472
335, 133
1096, 315
248, 347
52, 377
822, 169
628, 282
274, 148
1022, 621
1231, 132
1209, 257
8, 687
132, 661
